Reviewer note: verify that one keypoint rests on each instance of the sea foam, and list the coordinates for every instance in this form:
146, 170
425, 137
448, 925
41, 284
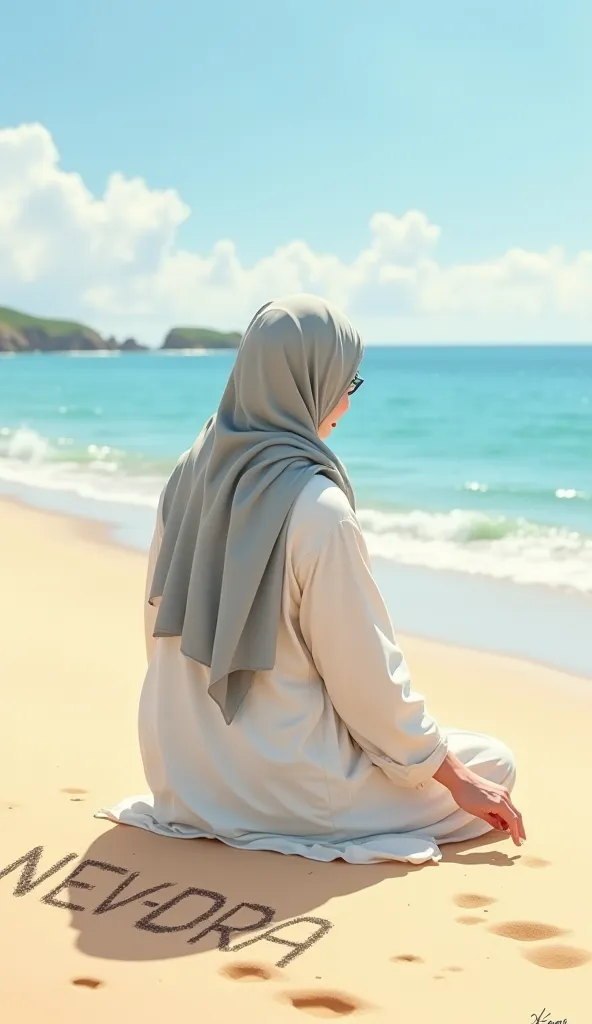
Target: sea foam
464, 541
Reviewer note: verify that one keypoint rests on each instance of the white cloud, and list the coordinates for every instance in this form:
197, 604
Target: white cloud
115, 262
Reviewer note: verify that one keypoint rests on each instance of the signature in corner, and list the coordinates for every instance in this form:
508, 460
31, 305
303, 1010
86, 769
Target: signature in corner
544, 1017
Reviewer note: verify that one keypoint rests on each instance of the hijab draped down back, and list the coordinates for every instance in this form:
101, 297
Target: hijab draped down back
226, 506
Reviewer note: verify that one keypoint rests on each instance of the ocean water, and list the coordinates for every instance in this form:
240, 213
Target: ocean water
476, 460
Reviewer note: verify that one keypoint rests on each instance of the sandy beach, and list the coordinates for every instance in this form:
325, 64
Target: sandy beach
109, 923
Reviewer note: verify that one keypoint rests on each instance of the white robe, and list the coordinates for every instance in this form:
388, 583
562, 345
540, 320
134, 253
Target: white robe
332, 752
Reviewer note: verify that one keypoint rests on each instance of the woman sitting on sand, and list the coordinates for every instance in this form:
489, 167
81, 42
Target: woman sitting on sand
277, 711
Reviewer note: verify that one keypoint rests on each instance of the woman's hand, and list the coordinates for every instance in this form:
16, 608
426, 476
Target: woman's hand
490, 802
481, 798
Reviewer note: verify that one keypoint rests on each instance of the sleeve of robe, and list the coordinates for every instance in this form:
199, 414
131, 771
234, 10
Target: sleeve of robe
347, 628
149, 610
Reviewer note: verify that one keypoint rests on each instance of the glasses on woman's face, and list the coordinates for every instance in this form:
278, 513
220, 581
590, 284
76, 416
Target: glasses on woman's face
355, 384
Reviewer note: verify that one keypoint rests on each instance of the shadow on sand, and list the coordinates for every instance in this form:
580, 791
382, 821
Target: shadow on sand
155, 898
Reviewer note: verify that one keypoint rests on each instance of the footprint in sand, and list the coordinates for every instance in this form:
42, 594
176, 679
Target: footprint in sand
527, 931
324, 1004
73, 790
248, 972
407, 958
558, 958
472, 900
535, 862
87, 982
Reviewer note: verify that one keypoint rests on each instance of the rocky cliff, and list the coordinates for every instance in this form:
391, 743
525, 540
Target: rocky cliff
20, 332
12, 340
200, 337
131, 345
43, 335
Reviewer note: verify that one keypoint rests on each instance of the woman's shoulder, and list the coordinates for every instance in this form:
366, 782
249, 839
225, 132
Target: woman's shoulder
319, 509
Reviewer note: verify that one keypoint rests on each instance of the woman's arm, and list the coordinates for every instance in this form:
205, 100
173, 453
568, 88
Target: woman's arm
347, 628
481, 798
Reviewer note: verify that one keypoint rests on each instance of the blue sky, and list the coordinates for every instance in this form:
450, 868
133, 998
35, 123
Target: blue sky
299, 120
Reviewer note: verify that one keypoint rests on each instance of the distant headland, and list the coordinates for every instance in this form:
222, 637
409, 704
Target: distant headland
21, 333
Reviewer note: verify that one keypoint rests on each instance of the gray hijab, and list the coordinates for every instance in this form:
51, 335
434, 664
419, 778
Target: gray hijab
227, 504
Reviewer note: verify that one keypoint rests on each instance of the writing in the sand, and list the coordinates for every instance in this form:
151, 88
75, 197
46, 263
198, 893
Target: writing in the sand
545, 1018
298, 934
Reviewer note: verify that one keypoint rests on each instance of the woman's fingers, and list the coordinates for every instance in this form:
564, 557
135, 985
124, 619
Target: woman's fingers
514, 822
508, 800
480, 797
499, 822
508, 820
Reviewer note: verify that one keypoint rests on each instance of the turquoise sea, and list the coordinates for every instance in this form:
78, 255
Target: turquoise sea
476, 460
472, 468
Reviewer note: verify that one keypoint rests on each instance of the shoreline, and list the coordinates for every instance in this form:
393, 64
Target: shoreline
459, 617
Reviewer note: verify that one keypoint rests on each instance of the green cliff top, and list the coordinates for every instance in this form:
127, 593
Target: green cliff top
19, 321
